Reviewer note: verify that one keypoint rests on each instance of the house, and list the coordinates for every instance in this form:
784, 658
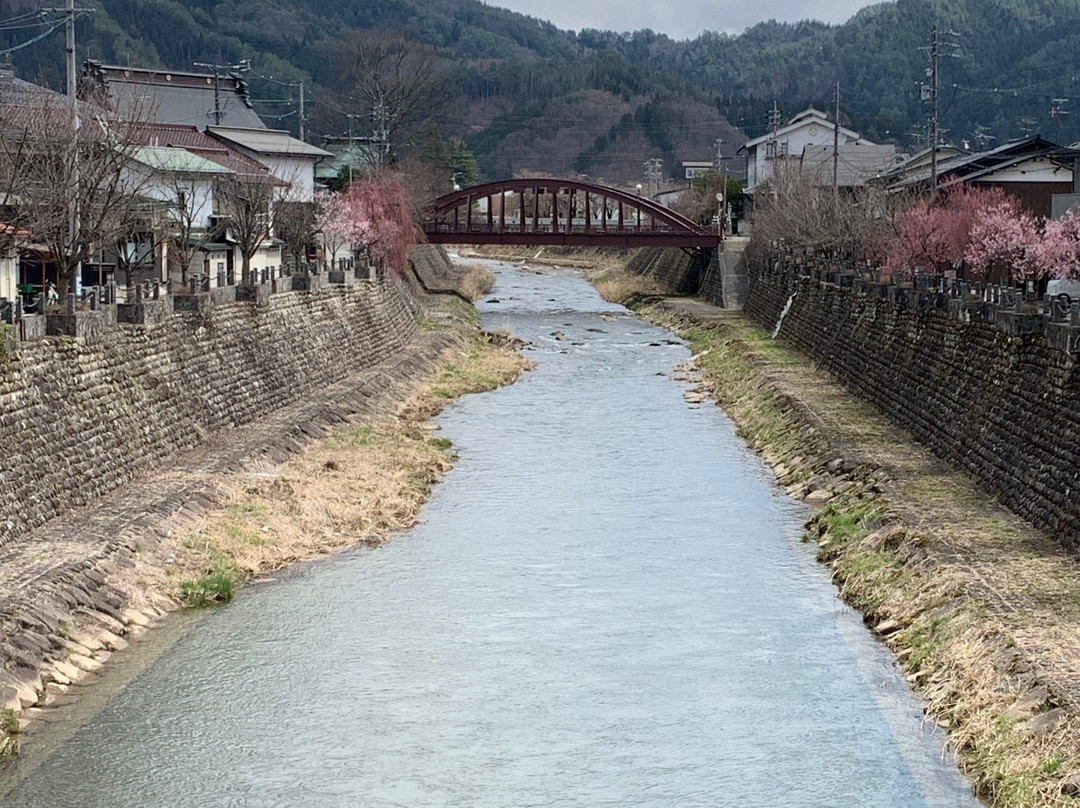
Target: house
811, 127
691, 168
356, 155
856, 163
220, 257
290, 160
1032, 169
178, 188
9, 264
170, 96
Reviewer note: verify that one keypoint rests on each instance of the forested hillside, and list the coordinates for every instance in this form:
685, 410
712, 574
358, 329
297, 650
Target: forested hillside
528, 96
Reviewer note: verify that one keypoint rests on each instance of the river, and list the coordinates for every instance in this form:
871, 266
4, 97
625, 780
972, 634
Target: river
607, 604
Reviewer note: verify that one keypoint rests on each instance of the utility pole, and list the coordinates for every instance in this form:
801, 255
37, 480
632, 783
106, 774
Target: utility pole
931, 92
934, 134
301, 110
836, 142
653, 174
721, 169
72, 89
774, 118
242, 67
382, 129
352, 154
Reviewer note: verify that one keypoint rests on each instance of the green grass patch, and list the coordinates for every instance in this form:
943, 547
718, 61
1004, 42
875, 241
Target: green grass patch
245, 509
215, 587
1052, 764
442, 444
360, 436
1004, 722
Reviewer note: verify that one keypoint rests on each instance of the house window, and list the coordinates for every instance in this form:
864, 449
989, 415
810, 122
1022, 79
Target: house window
181, 200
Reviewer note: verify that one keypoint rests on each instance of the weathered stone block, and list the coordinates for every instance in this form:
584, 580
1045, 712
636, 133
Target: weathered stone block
259, 294
86, 325
198, 303
1020, 325
149, 312
1063, 337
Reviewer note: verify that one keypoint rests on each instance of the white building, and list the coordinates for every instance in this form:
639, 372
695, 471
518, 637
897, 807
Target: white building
811, 127
9, 276
290, 160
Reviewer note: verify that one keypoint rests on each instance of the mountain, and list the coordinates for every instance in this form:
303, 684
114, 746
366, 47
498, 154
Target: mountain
527, 96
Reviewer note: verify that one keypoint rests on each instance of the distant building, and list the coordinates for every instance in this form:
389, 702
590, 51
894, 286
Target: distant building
811, 127
358, 154
170, 96
856, 163
1032, 169
290, 160
692, 168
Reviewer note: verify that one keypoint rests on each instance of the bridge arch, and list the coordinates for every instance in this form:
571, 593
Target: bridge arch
554, 211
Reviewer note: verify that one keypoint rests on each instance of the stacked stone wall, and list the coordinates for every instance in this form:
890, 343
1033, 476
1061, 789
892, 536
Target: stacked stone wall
673, 268
80, 417
991, 387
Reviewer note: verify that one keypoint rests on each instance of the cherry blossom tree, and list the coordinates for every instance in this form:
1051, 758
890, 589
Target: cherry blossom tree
332, 224
373, 214
1057, 255
935, 233
1003, 241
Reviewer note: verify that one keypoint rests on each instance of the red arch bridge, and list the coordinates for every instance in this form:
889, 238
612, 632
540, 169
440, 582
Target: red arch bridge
550, 211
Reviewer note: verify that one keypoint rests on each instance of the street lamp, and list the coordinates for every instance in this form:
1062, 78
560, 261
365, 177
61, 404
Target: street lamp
720, 215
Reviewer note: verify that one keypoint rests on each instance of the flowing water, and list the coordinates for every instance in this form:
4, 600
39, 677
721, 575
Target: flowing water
607, 604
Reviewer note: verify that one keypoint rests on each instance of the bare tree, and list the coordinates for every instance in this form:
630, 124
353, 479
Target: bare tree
245, 201
400, 83
793, 210
146, 230
188, 230
297, 224
64, 177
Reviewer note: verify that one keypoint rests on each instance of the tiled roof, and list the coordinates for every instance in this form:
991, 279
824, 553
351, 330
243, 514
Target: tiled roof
204, 146
267, 141
171, 96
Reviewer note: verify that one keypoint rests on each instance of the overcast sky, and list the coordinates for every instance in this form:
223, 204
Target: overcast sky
680, 19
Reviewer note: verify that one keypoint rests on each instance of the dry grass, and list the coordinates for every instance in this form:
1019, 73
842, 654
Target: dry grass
616, 285
572, 257
359, 486
477, 280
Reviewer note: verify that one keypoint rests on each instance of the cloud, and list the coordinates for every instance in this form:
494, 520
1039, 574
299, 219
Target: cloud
681, 19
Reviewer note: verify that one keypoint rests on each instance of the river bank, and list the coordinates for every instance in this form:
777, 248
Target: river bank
348, 464
980, 609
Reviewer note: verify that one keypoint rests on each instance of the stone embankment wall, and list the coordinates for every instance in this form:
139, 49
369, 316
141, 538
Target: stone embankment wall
81, 416
721, 279
672, 267
985, 379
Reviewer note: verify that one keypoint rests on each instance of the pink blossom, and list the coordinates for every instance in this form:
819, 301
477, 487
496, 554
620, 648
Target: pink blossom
372, 214
1004, 237
1058, 254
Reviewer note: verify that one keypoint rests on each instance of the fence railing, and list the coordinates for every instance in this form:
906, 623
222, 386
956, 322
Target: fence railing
94, 307
1018, 311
